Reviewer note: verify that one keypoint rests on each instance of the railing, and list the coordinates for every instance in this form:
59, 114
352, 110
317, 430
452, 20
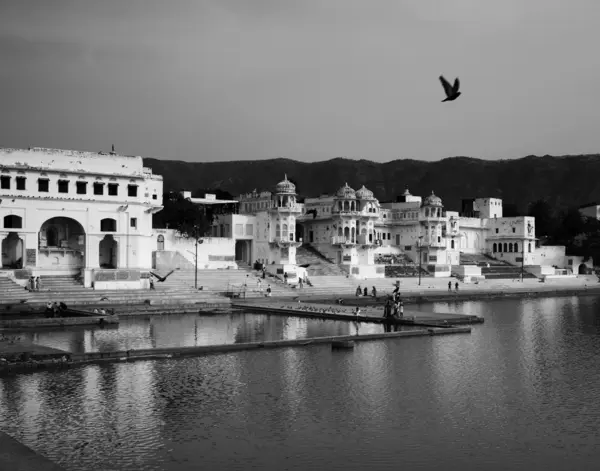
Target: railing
341, 240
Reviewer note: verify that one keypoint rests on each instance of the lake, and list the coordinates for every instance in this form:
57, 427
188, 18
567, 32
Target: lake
519, 392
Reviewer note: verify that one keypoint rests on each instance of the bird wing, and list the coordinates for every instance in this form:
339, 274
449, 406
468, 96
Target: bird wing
165, 277
446, 85
456, 85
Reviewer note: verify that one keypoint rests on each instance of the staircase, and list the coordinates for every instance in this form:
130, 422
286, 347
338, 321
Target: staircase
68, 289
229, 283
319, 264
480, 260
505, 272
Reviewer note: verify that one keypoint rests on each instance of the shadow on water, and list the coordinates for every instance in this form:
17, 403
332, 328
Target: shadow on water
518, 393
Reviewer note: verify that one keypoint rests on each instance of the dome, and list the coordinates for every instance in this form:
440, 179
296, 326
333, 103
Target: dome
285, 186
346, 192
364, 194
432, 200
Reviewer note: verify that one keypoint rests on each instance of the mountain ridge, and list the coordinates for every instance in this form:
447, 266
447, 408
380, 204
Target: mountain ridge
564, 181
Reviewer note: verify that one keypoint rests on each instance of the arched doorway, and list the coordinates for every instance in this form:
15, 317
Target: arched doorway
61, 244
12, 251
108, 252
160, 242
582, 269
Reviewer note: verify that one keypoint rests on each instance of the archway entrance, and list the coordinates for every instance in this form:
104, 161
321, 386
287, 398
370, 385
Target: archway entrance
108, 252
582, 269
160, 242
243, 251
12, 251
61, 244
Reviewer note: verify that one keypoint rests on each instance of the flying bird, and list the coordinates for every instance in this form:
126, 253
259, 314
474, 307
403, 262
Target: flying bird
161, 278
452, 92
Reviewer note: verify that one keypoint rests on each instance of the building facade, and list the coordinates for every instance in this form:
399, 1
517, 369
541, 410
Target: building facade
71, 212
352, 226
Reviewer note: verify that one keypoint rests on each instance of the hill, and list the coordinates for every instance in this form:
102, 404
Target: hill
564, 181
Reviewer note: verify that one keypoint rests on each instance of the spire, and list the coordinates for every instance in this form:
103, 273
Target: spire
285, 177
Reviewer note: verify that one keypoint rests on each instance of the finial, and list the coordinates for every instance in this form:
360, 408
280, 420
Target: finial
285, 177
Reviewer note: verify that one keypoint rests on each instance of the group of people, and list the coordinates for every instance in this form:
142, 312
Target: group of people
55, 309
34, 283
365, 292
393, 311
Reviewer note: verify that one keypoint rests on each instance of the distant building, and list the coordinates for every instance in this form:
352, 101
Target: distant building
71, 212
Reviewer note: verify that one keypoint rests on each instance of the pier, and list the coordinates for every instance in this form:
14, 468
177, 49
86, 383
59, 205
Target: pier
368, 313
19, 356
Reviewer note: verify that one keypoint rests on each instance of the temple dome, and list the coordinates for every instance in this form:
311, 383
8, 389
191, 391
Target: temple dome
432, 200
346, 192
364, 194
285, 186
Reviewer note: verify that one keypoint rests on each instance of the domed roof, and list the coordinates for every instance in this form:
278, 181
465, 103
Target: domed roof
285, 186
346, 192
364, 194
432, 200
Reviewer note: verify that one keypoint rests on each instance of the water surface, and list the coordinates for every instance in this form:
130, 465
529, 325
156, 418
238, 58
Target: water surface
519, 393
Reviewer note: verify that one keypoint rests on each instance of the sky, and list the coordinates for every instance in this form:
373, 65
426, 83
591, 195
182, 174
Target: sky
310, 80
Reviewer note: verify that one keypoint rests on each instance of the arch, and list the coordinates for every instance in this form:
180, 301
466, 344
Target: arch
108, 253
160, 242
340, 231
505, 247
516, 247
510, 247
347, 233
494, 248
582, 270
12, 251
452, 244
529, 247
61, 244
108, 225
13, 222
353, 234
277, 231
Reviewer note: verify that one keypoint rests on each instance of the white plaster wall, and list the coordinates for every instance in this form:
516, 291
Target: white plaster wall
210, 246
550, 255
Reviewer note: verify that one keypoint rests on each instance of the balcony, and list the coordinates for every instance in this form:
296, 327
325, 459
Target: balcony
434, 243
341, 240
290, 208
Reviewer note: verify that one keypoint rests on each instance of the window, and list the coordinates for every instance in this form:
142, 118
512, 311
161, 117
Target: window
43, 185
81, 188
108, 225
132, 190
5, 182
133, 222
154, 196
239, 229
496, 230
513, 230
516, 247
98, 188
494, 248
63, 186
20, 183
113, 189
13, 222
452, 244
249, 229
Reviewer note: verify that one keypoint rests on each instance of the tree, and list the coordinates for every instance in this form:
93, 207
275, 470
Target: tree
189, 219
545, 218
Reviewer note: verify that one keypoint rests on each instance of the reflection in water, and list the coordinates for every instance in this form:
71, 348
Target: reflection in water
189, 330
518, 393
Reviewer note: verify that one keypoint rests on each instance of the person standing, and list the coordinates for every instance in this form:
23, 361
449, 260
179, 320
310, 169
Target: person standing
449, 286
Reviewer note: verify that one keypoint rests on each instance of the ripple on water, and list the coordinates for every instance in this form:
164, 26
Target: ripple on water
518, 393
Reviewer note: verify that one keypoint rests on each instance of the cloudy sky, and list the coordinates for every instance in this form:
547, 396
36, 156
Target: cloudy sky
209, 80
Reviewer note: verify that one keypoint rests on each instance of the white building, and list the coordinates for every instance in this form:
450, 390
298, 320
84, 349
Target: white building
71, 212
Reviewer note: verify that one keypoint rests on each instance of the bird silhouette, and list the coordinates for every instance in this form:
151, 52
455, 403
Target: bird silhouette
452, 92
159, 278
